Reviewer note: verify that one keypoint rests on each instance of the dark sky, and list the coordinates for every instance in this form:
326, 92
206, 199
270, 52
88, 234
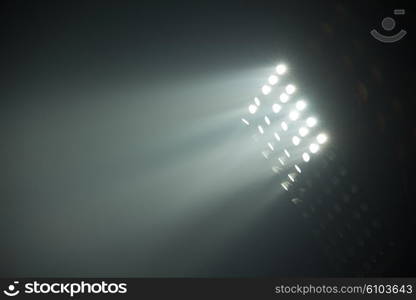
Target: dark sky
122, 153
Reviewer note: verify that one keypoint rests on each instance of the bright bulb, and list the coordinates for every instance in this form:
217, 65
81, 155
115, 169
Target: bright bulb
260, 129
290, 89
245, 121
267, 120
277, 136
257, 101
322, 138
313, 148
273, 79
311, 121
281, 69
300, 105
303, 131
284, 97
266, 89
295, 140
291, 177
284, 126
306, 157
270, 146
298, 169
294, 115
287, 153
252, 108
276, 108
275, 169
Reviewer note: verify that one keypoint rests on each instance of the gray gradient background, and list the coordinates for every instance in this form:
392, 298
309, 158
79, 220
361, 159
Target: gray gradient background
122, 146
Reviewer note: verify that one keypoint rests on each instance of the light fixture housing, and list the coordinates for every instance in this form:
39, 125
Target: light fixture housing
292, 140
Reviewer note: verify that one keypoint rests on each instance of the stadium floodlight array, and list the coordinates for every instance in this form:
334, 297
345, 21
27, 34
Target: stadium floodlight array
283, 124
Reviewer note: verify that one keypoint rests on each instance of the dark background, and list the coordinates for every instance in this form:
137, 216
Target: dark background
120, 154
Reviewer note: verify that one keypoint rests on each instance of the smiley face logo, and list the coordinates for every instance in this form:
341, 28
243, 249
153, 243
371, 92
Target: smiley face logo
388, 24
11, 289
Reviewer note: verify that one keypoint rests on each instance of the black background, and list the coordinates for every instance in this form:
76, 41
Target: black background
69, 71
